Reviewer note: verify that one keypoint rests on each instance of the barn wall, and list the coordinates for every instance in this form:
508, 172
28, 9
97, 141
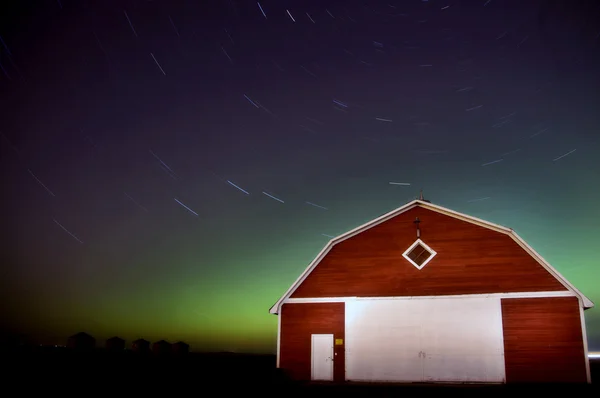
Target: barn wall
470, 260
298, 322
543, 340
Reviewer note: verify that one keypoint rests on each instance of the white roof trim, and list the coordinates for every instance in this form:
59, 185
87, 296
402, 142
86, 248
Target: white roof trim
587, 303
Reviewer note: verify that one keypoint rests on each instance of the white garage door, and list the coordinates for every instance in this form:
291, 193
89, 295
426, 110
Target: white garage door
445, 339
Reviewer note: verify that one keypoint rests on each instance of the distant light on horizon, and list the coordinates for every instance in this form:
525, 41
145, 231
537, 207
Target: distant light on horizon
594, 355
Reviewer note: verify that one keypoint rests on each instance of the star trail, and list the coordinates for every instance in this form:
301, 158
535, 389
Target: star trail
170, 167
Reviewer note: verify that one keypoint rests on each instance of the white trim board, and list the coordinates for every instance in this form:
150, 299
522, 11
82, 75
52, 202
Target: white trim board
586, 302
588, 372
562, 293
278, 342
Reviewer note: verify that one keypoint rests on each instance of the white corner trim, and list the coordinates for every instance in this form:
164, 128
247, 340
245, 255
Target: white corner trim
560, 293
426, 205
278, 340
426, 247
585, 343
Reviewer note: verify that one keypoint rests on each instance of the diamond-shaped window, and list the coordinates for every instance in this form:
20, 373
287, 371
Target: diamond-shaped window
419, 254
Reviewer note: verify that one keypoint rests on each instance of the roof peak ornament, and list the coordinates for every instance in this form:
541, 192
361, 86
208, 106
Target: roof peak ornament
416, 222
421, 198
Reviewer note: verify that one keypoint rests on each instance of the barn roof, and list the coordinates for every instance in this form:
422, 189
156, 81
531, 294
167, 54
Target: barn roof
587, 303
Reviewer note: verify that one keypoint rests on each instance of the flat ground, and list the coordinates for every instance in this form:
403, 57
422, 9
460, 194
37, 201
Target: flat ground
60, 370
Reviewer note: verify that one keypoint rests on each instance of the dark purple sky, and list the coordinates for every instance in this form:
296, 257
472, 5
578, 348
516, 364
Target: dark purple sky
170, 167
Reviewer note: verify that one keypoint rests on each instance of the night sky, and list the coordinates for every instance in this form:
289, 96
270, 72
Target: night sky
170, 167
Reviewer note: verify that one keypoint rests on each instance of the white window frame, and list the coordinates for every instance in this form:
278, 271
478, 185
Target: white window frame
426, 247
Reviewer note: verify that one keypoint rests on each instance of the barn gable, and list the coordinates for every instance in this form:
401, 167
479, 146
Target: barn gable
421, 266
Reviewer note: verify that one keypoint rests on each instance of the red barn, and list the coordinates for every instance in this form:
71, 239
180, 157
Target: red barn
427, 294
141, 346
162, 347
81, 341
116, 344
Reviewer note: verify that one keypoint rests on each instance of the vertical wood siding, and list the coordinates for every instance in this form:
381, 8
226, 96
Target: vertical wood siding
543, 340
470, 259
298, 323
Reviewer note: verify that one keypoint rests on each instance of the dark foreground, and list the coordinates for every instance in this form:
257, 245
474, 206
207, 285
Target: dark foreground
100, 372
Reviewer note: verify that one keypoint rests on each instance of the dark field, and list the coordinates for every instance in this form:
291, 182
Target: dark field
50, 370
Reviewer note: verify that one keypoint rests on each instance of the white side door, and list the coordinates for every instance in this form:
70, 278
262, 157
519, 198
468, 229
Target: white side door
322, 357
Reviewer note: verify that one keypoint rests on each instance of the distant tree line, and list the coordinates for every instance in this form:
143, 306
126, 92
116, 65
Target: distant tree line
83, 342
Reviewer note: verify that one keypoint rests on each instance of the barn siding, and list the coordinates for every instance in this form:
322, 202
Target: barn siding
470, 259
543, 340
298, 322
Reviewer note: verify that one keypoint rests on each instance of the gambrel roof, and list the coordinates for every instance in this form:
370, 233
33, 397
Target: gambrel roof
587, 303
